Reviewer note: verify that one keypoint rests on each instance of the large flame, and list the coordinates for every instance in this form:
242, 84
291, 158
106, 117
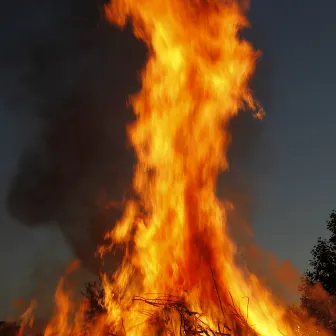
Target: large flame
177, 248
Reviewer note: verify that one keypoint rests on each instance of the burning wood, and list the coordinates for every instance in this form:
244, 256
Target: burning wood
190, 322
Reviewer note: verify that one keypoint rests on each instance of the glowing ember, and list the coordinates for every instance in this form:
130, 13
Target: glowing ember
179, 275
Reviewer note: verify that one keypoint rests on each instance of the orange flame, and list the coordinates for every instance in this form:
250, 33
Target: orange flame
174, 233
27, 318
195, 81
61, 324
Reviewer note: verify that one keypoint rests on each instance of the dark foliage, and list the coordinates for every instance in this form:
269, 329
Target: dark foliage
321, 302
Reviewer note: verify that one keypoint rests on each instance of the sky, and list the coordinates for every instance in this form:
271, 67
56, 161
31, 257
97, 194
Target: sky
289, 171
295, 198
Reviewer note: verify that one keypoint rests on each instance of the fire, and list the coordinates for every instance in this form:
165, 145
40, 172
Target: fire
195, 81
179, 265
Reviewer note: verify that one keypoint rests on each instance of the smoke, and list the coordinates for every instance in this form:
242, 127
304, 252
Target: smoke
76, 76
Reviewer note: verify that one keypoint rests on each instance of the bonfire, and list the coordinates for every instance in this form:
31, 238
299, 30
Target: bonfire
179, 274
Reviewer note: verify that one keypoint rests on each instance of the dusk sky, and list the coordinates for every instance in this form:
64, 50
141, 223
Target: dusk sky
291, 167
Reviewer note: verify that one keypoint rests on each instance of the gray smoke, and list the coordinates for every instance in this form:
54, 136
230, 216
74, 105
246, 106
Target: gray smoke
76, 71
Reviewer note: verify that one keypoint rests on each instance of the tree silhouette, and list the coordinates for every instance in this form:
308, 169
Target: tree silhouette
318, 287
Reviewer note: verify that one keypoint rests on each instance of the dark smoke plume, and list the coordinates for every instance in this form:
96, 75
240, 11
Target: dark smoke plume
78, 74
79, 78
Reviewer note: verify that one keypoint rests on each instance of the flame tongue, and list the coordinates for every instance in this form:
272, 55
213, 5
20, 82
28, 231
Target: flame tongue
195, 81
